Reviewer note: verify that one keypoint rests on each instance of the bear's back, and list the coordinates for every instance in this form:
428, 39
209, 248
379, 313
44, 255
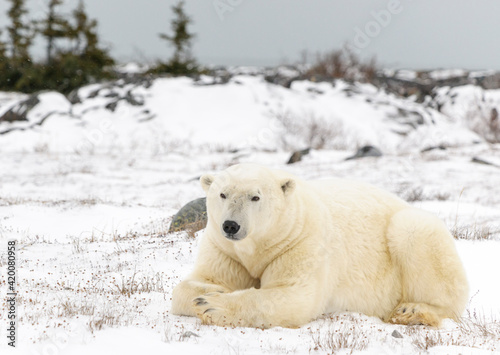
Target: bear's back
353, 198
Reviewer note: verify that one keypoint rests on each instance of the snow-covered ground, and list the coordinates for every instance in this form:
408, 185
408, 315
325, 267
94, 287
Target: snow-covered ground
89, 194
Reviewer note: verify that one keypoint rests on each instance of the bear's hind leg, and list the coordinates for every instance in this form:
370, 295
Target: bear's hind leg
416, 314
433, 281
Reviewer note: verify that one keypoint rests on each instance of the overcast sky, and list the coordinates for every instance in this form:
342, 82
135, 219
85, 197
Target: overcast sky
401, 33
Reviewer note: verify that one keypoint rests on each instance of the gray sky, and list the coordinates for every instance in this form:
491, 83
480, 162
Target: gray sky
401, 33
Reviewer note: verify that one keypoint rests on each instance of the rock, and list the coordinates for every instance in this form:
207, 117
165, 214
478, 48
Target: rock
483, 161
192, 216
132, 99
93, 94
428, 149
366, 151
490, 82
129, 98
297, 156
73, 97
396, 334
19, 112
189, 334
493, 115
112, 95
112, 106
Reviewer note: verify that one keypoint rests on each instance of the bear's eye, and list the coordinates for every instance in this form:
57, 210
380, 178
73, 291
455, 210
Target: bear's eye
222, 196
255, 198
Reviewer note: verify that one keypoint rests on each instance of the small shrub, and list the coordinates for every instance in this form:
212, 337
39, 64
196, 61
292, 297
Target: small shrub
473, 232
483, 118
473, 331
99, 321
442, 196
414, 194
134, 285
78, 246
342, 64
311, 131
343, 333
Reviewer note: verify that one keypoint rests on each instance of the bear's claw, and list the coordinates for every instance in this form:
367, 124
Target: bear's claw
211, 309
200, 301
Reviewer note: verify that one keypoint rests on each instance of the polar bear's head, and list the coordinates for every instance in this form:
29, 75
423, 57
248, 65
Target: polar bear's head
246, 200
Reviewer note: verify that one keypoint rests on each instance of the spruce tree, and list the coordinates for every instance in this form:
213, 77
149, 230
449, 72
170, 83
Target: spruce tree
4, 64
85, 61
53, 27
81, 29
86, 40
3, 49
19, 66
182, 61
19, 33
77, 61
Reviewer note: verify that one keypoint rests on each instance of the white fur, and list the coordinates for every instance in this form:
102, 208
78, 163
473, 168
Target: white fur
314, 247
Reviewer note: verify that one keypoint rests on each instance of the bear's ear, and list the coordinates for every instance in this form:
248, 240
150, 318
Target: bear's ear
206, 181
287, 185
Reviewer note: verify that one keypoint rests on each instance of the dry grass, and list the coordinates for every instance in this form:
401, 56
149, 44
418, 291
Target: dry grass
458, 231
192, 228
41, 148
343, 333
348, 334
97, 323
108, 316
134, 284
424, 338
159, 227
473, 331
414, 194
78, 246
9, 201
476, 325
99, 314
71, 308
474, 232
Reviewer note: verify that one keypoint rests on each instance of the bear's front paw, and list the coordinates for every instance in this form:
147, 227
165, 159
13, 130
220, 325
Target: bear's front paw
213, 309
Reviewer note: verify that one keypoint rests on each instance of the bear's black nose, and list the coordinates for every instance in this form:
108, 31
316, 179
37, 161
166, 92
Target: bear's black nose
231, 227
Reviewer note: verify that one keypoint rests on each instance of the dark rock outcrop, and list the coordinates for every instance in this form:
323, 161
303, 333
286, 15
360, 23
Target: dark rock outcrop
192, 216
366, 151
434, 147
483, 161
297, 156
19, 112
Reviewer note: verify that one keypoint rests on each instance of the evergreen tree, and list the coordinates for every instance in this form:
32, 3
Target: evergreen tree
4, 62
79, 60
85, 39
19, 33
182, 61
3, 50
181, 39
53, 27
20, 36
83, 29
85, 61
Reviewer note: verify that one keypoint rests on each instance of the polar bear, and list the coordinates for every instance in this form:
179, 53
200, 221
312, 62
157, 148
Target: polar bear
281, 251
